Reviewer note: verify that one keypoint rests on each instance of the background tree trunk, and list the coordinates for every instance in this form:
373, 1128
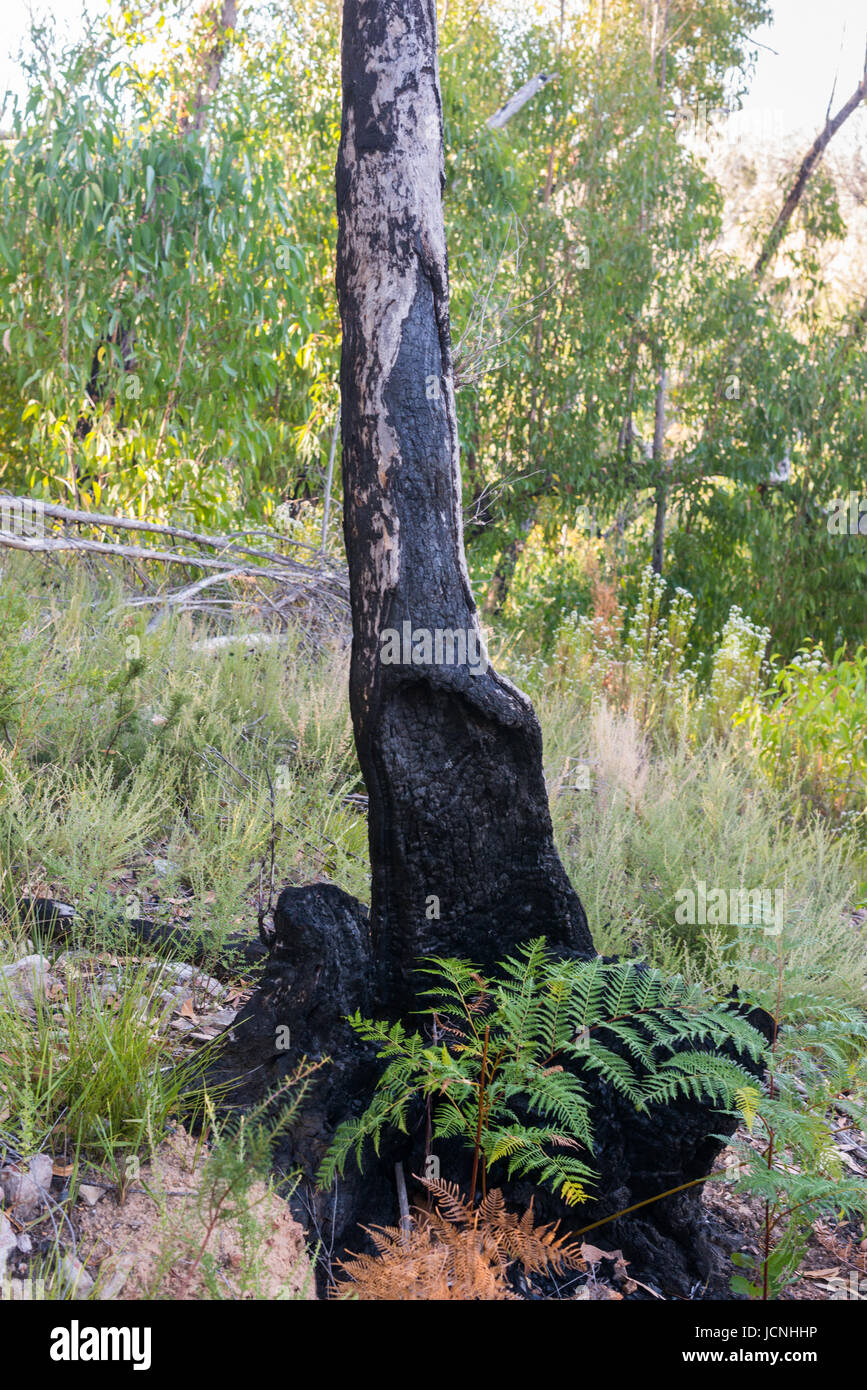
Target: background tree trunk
661, 497
451, 754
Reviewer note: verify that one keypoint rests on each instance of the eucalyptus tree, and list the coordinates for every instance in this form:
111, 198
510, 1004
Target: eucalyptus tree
461, 845
166, 336
615, 362
615, 218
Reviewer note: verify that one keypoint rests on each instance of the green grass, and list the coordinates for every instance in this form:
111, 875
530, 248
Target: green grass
107, 759
120, 747
92, 1074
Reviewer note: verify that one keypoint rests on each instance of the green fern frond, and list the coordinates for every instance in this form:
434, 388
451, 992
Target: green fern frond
747, 1100
549, 1025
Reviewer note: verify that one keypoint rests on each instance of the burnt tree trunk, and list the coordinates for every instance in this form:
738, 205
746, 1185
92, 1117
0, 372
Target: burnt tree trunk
462, 853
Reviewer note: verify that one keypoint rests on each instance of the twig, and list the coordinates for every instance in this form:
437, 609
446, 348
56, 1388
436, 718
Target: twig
403, 1203
327, 505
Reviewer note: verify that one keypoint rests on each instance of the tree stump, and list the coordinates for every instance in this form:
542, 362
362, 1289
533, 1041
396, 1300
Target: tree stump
321, 968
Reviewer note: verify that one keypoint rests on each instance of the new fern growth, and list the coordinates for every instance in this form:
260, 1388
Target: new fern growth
817, 1072
504, 1061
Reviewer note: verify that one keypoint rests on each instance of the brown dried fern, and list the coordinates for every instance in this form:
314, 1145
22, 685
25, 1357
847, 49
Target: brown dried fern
456, 1252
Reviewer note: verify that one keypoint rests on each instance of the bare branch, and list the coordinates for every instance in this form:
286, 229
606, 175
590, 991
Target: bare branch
518, 100
129, 523
316, 580
808, 164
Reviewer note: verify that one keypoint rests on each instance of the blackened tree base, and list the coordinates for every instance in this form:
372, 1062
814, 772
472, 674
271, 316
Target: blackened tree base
320, 970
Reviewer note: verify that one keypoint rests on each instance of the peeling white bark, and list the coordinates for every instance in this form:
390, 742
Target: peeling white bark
518, 100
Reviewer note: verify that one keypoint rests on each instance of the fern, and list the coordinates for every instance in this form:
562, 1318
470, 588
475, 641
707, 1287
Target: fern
505, 1061
747, 1101
817, 1068
456, 1251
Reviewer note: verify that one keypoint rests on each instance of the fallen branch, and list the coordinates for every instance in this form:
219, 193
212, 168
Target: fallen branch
54, 544
230, 560
131, 523
244, 576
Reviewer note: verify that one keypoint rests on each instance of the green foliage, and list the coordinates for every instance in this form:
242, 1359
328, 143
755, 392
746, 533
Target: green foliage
92, 1076
817, 1072
161, 310
504, 1061
809, 725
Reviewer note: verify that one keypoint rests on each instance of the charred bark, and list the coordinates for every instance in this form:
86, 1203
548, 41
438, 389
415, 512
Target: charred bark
462, 853
320, 970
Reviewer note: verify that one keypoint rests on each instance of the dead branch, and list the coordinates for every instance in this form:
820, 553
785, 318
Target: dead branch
269, 580
53, 544
518, 100
808, 164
